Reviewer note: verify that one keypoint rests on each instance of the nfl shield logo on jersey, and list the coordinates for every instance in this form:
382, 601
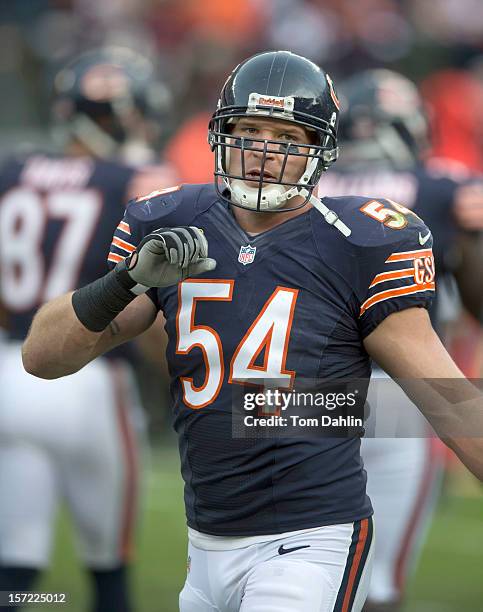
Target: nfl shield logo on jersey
247, 254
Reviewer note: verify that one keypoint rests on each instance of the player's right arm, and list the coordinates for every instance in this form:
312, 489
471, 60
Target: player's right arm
72, 330
58, 344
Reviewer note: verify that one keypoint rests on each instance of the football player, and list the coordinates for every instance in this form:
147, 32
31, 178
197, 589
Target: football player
287, 293
74, 438
384, 136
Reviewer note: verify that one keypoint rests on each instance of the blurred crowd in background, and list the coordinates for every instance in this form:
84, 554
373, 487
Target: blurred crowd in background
438, 43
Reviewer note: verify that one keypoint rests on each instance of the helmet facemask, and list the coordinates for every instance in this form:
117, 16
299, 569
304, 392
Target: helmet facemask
265, 192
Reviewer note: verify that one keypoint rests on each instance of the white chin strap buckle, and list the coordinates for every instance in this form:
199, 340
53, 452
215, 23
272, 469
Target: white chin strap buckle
272, 197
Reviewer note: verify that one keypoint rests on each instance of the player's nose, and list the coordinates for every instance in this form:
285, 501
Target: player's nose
264, 148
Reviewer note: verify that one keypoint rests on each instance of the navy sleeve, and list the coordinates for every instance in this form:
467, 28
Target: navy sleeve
402, 278
143, 215
127, 236
395, 262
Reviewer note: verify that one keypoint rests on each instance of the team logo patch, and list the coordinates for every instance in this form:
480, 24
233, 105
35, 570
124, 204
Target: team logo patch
424, 271
247, 254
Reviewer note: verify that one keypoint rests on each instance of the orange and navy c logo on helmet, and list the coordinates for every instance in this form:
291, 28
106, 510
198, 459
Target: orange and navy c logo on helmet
333, 95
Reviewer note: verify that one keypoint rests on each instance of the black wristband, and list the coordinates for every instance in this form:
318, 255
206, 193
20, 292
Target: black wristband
98, 303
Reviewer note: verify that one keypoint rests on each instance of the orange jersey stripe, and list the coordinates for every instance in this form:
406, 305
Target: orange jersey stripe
405, 255
355, 564
124, 227
115, 257
122, 244
385, 276
385, 295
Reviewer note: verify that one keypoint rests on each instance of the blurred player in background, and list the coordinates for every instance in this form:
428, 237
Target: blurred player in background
74, 439
384, 136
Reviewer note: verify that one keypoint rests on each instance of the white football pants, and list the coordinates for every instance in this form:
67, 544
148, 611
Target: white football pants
329, 572
71, 439
403, 481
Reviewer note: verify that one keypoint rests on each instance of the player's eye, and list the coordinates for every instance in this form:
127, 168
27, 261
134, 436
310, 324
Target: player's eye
289, 147
247, 144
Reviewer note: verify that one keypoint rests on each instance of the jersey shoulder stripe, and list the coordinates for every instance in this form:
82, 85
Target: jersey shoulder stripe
410, 272
123, 245
115, 258
124, 227
398, 292
387, 276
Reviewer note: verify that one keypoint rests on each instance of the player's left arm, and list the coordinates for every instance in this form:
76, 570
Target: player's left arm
405, 345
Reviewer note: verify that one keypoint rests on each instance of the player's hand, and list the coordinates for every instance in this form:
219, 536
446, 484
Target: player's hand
168, 255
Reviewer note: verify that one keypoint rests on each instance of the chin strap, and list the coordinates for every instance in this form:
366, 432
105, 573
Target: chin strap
330, 216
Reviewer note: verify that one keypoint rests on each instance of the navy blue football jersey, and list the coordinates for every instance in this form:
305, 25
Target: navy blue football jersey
428, 192
294, 302
57, 216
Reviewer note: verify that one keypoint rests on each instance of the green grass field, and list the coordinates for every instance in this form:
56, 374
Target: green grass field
449, 577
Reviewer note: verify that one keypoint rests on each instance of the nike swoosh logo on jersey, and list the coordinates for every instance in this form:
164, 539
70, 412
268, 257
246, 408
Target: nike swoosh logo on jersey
284, 551
424, 239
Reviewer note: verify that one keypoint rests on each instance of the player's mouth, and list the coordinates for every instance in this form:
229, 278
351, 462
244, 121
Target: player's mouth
255, 175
